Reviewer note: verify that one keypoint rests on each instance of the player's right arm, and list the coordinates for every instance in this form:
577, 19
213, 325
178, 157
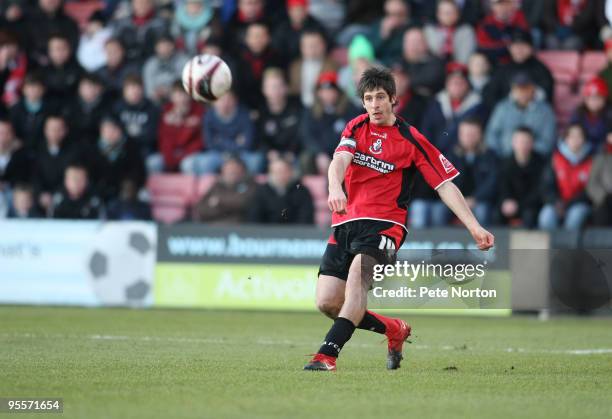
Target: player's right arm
337, 170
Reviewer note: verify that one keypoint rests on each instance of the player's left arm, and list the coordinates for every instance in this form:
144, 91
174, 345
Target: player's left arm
454, 199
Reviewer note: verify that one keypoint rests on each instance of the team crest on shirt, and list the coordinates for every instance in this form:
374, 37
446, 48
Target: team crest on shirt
376, 148
448, 166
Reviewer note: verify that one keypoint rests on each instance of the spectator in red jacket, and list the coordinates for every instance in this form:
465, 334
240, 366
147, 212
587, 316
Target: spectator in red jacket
13, 66
564, 185
180, 131
495, 31
595, 112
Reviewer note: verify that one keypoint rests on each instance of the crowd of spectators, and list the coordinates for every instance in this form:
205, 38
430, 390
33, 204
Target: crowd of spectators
89, 109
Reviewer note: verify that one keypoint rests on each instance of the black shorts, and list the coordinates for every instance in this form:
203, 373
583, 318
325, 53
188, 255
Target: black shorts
379, 239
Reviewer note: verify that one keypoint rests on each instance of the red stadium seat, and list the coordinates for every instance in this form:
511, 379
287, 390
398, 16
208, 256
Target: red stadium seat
592, 63
80, 11
566, 102
204, 183
168, 214
564, 65
171, 189
317, 186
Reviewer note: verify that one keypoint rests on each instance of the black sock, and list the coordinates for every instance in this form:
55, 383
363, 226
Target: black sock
338, 335
371, 323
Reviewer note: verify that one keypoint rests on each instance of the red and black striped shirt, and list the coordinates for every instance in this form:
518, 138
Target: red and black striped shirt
385, 162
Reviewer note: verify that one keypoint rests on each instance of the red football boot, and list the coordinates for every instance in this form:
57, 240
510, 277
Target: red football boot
397, 333
321, 362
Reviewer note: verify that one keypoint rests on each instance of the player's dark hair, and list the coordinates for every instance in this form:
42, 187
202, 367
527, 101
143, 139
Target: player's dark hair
523, 129
376, 78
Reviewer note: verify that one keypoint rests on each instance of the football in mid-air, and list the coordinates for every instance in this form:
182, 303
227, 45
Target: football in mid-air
206, 78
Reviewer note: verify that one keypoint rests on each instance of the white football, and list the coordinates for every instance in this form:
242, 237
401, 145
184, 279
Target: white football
206, 78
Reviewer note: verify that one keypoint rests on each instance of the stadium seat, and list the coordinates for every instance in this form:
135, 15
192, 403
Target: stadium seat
565, 103
80, 11
592, 63
317, 186
204, 183
564, 65
171, 189
168, 214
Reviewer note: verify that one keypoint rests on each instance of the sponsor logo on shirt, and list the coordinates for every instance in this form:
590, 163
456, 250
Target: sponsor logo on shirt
376, 148
382, 135
373, 163
448, 166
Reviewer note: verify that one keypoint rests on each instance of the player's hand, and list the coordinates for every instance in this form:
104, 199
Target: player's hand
484, 240
337, 201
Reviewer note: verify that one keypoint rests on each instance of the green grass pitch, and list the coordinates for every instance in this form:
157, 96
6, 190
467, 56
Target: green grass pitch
116, 363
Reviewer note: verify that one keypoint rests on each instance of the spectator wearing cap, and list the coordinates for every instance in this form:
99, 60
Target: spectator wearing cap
387, 32
521, 108
140, 29
570, 24
87, 109
522, 59
162, 69
360, 57
448, 38
91, 54
180, 131
409, 105
62, 74
595, 112
322, 125
255, 56
228, 130
195, 22
139, 116
29, 113
599, 187
116, 158
564, 183
449, 107
304, 71
13, 68
46, 19
278, 118
117, 67
287, 34
426, 71
606, 73
520, 194
494, 32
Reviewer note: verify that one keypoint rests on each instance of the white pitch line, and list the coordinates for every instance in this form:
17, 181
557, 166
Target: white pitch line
275, 342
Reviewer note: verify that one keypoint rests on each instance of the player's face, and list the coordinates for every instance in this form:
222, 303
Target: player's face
379, 106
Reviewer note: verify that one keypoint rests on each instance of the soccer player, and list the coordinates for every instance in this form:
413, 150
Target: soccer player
369, 188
